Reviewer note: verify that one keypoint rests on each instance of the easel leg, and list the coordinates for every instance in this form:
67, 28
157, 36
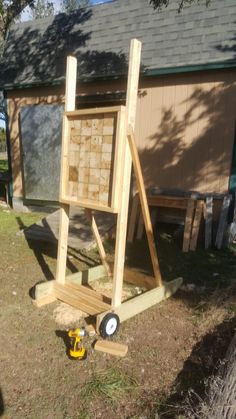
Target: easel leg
71, 73
62, 243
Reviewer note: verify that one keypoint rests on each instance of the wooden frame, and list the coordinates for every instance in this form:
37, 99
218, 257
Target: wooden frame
99, 141
72, 289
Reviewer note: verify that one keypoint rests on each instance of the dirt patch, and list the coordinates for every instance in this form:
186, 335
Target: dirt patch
173, 346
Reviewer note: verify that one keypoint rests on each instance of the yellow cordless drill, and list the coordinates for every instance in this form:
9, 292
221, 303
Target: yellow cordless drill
77, 350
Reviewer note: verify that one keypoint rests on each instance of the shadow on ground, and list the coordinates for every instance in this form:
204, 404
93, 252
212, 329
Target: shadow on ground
206, 268
204, 361
43, 249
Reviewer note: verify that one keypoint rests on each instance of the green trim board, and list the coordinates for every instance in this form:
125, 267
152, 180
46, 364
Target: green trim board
147, 73
190, 68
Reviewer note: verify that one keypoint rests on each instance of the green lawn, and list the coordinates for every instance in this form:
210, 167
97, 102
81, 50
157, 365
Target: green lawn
3, 165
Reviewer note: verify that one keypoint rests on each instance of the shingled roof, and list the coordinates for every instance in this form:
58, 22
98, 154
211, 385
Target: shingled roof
99, 36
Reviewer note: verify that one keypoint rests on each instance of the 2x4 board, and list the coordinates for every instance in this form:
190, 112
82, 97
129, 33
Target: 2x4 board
92, 148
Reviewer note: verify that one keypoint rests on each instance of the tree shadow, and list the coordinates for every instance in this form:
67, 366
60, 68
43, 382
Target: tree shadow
43, 248
50, 41
187, 151
42, 240
203, 362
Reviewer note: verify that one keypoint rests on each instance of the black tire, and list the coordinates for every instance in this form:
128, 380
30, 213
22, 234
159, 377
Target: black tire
109, 325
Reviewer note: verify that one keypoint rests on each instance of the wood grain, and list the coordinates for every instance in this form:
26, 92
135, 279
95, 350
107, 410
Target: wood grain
112, 348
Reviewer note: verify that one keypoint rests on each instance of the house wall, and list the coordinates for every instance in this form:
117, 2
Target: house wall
184, 127
185, 131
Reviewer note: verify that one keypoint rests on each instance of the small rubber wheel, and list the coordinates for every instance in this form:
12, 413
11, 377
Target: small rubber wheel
109, 325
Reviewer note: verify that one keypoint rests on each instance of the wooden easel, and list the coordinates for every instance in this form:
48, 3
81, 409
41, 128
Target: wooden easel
70, 289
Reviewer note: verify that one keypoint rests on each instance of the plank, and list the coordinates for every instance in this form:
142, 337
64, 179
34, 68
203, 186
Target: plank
85, 277
222, 221
167, 201
79, 299
98, 239
43, 289
131, 102
42, 301
188, 224
139, 279
133, 218
196, 225
144, 206
111, 348
208, 221
85, 204
70, 94
110, 109
118, 160
88, 292
144, 301
62, 243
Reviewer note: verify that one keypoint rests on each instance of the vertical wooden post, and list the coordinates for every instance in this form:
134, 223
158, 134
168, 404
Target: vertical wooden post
196, 225
188, 224
70, 95
208, 221
222, 221
131, 101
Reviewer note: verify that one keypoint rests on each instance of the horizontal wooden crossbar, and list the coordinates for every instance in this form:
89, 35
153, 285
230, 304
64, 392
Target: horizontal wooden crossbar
139, 279
167, 201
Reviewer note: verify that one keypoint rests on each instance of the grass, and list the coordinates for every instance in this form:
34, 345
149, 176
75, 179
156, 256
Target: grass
111, 384
3, 165
12, 222
83, 415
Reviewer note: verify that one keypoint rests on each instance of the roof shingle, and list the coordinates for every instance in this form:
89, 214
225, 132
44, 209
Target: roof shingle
99, 36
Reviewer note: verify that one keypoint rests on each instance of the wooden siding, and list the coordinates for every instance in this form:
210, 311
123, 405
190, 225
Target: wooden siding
185, 131
184, 128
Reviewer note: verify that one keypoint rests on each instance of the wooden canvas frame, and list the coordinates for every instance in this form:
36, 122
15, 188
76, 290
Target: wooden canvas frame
94, 169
